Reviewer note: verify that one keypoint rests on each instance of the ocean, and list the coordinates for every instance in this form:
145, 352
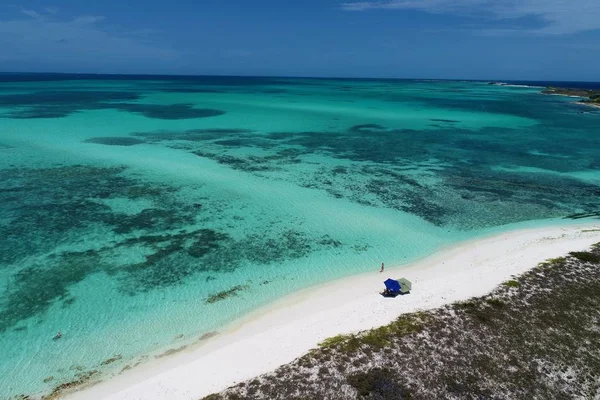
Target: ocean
142, 214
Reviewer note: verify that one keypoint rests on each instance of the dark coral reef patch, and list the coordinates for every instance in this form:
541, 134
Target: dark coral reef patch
59, 104
51, 209
192, 135
446, 175
169, 111
115, 141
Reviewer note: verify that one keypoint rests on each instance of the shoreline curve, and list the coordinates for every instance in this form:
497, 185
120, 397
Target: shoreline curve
287, 328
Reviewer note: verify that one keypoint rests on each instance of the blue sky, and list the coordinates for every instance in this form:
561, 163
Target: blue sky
473, 39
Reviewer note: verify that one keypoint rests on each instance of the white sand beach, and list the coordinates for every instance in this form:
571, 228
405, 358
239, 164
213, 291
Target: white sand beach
286, 329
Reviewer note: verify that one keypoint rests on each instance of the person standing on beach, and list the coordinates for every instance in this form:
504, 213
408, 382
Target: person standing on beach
381, 267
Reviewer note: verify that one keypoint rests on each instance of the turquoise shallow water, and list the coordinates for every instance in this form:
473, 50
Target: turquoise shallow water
128, 204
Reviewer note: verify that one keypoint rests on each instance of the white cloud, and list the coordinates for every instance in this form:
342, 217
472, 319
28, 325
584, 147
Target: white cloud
426, 5
46, 38
88, 19
31, 13
559, 16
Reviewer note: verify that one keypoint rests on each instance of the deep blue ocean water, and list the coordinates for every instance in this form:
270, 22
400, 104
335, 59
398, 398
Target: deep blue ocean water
33, 77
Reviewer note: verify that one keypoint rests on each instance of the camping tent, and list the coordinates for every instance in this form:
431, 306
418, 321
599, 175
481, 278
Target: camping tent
392, 285
401, 285
405, 285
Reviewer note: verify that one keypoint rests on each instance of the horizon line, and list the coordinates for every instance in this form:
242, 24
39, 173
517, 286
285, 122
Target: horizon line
110, 74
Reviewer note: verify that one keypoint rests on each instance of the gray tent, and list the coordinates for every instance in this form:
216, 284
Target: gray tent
405, 285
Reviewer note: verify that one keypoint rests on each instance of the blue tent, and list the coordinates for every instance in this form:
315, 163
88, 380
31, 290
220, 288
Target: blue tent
392, 285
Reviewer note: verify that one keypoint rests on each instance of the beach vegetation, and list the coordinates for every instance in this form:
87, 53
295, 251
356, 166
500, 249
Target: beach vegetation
512, 284
481, 310
377, 338
549, 263
586, 256
214, 396
465, 305
334, 341
408, 324
555, 261
378, 383
497, 303
351, 345
345, 343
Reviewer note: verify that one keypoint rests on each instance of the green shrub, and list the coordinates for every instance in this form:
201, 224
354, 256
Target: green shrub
466, 305
352, 345
333, 341
344, 343
512, 283
408, 324
377, 338
585, 256
497, 303
478, 309
213, 397
378, 383
553, 261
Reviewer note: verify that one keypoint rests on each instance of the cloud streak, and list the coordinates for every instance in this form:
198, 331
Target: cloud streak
88, 19
79, 41
31, 13
558, 16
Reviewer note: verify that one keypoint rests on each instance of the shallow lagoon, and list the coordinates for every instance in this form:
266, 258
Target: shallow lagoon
127, 204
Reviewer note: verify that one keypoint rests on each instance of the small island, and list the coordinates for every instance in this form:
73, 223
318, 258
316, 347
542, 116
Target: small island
591, 96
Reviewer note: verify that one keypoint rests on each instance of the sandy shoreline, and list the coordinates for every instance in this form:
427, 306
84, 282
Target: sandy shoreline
284, 330
583, 103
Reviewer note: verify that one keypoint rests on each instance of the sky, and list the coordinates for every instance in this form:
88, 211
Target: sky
453, 39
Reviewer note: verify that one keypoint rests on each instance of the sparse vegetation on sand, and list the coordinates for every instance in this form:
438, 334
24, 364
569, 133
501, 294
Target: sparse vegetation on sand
533, 337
